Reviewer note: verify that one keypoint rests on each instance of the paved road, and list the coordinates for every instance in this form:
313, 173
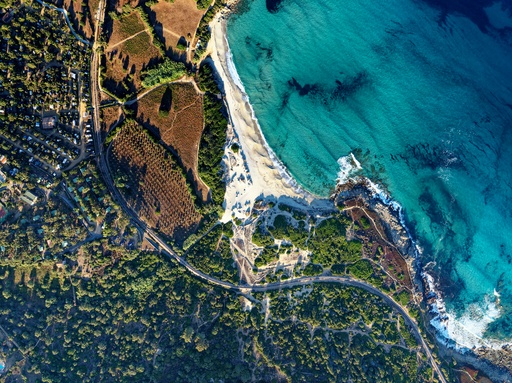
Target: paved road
244, 289
347, 281
95, 78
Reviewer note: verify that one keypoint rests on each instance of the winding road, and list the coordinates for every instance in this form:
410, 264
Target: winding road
65, 13
243, 289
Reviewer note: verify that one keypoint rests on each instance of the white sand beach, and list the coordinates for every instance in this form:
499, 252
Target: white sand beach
253, 171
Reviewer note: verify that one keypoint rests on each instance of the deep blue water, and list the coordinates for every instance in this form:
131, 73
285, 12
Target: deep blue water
421, 93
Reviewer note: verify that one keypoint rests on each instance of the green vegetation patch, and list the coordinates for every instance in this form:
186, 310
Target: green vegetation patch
212, 254
261, 237
403, 297
282, 229
206, 79
203, 30
142, 318
312, 269
267, 255
362, 269
365, 223
339, 334
138, 43
130, 24
143, 13
297, 214
203, 4
165, 72
329, 245
213, 140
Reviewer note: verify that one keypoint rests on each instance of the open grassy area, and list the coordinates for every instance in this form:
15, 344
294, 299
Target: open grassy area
175, 20
175, 113
130, 50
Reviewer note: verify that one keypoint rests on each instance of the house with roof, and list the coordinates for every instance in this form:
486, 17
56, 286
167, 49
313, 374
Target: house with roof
49, 122
29, 198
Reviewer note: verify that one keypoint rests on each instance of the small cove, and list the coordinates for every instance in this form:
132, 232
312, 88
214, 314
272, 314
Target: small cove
423, 103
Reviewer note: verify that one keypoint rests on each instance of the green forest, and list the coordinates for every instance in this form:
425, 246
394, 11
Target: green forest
142, 318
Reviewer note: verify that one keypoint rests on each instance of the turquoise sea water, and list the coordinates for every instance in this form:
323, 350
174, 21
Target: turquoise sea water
421, 94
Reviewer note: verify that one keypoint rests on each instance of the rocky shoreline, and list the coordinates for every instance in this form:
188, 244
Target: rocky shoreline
496, 364
264, 170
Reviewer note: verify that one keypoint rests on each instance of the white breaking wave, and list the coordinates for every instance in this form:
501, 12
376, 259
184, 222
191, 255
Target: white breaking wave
283, 171
349, 167
232, 69
466, 331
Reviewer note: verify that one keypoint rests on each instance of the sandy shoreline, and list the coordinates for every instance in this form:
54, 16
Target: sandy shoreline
253, 171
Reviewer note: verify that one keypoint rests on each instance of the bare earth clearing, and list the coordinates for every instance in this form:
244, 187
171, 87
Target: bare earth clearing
175, 113
175, 20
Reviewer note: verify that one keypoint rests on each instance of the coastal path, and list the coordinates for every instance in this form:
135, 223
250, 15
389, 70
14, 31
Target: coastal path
166, 249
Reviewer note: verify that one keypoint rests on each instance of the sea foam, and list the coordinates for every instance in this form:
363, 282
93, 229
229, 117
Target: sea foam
461, 332
426, 119
349, 167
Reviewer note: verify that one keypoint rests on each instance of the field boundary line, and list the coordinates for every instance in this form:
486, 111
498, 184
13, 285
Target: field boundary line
126, 39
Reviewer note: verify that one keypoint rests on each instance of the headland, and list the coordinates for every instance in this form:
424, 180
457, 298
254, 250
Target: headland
254, 172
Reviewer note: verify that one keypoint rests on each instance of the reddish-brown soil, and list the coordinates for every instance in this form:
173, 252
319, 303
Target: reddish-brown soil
174, 20
130, 50
154, 184
377, 245
110, 116
175, 113
470, 375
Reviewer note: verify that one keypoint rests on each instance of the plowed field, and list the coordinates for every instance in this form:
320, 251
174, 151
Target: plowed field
153, 182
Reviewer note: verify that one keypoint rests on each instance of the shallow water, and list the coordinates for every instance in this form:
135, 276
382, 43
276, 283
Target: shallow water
422, 96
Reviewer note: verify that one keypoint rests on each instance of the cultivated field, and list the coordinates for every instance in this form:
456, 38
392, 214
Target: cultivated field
175, 113
125, 27
173, 20
152, 182
130, 49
